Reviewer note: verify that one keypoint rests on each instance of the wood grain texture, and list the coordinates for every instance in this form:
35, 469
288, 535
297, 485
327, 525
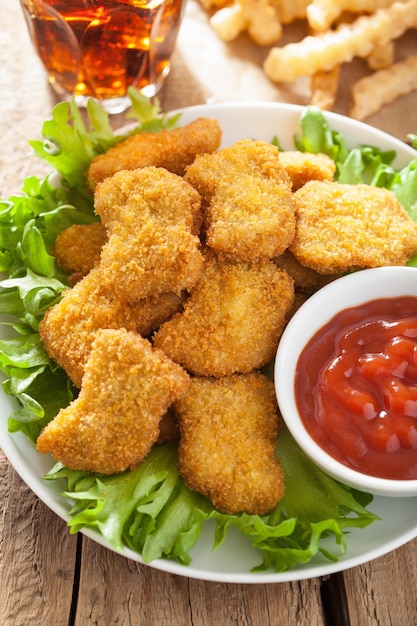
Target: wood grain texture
388, 589
37, 557
115, 590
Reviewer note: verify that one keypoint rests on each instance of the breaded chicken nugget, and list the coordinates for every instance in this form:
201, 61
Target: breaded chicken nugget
171, 149
114, 422
304, 166
77, 249
343, 227
168, 427
233, 319
68, 329
228, 432
305, 279
249, 211
150, 215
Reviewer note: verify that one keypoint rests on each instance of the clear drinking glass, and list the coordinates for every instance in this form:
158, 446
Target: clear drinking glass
99, 48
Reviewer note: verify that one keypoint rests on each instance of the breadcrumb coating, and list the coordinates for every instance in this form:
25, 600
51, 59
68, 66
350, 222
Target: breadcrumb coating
68, 329
172, 149
111, 426
77, 249
168, 428
229, 427
232, 320
249, 210
343, 227
151, 217
305, 279
304, 166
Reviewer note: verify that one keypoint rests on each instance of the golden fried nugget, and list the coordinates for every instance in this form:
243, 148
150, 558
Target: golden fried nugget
305, 279
168, 427
249, 212
304, 166
150, 215
342, 227
68, 329
171, 149
228, 432
111, 426
233, 319
77, 249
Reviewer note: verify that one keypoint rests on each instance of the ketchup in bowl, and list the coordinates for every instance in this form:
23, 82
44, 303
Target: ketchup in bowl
356, 387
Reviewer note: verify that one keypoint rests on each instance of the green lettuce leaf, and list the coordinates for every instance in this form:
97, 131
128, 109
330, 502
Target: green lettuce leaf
70, 143
147, 509
151, 511
149, 114
363, 164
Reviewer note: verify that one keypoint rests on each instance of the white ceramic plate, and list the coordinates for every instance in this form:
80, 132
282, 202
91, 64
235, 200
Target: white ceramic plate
234, 560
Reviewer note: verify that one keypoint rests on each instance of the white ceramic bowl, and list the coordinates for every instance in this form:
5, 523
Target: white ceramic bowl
320, 308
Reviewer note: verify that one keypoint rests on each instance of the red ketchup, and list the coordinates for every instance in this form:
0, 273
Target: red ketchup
356, 387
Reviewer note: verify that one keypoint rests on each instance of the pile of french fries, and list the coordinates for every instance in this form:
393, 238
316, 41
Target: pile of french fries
339, 30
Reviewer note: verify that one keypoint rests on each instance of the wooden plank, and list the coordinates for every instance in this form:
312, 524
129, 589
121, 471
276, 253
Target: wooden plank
115, 590
37, 557
387, 589
285, 604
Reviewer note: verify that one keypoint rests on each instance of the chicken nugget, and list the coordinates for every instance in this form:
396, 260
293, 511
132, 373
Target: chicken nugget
150, 215
305, 279
68, 328
228, 432
343, 227
249, 211
172, 149
168, 428
77, 249
111, 426
304, 166
232, 320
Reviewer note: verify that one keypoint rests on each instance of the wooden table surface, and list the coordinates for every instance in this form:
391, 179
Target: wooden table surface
51, 578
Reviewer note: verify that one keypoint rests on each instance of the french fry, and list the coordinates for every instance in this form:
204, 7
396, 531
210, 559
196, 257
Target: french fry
381, 56
228, 22
290, 10
324, 86
372, 92
258, 17
321, 14
326, 50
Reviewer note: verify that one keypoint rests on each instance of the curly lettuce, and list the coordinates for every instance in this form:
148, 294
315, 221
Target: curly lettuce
151, 511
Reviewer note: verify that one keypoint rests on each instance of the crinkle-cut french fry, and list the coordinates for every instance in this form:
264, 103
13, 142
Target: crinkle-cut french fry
372, 92
381, 56
228, 22
263, 24
257, 17
321, 14
290, 10
324, 86
325, 50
